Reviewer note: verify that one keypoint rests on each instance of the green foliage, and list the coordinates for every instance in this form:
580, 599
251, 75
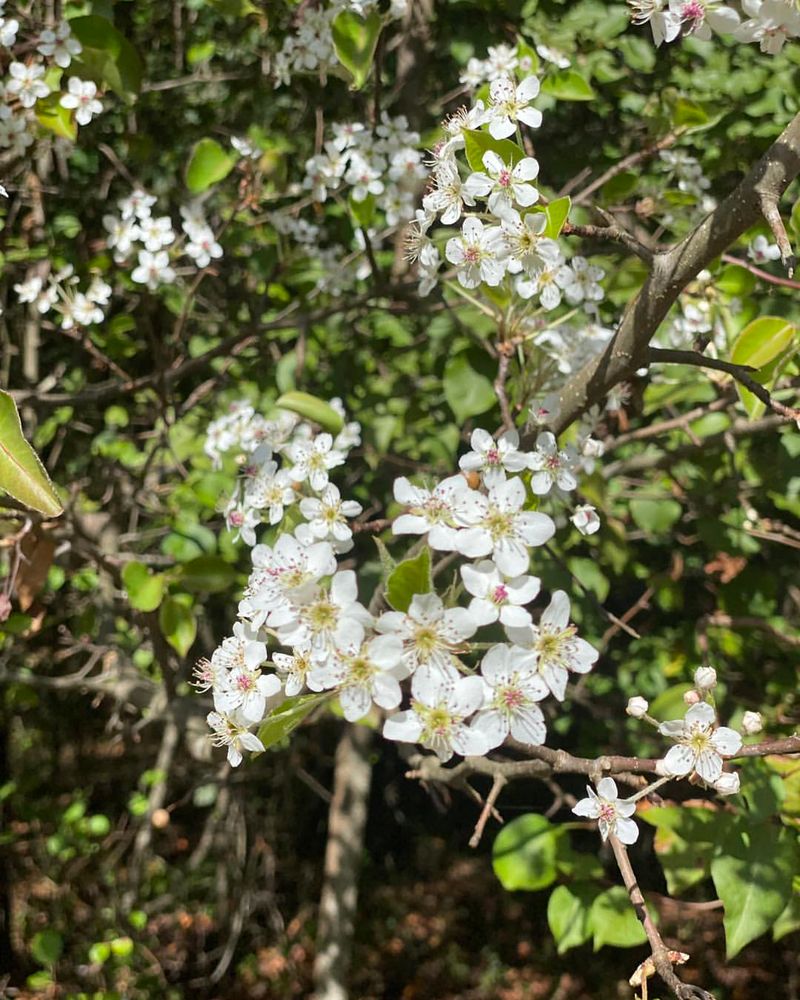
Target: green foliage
759, 345
178, 623
568, 85
22, 475
476, 143
108, 57
412, 576
145, 589
208, 165
468, 392
312, 408
525, 852
355, 39
614, 921
283, 720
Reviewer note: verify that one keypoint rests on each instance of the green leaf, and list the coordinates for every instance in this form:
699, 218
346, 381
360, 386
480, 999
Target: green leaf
54, 118
760, 345
613, 920
568, 914
145, 589
735, 280
524, 853
108, 57
355, 39
467, 392
557, 212
477, 143
22, 475
412, 576
178, 623
655, 517
208, 164
312, 408
122, 947
362, 211
206, 574
568, 85
753, 878
288, 716
99, 953
789, 921
688, 113
46, 947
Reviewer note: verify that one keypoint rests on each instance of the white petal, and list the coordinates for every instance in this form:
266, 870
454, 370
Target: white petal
493, 725
557, 611
607, 788
679, 761
627, 831
726, 741
527, 726
404, 726
588, 807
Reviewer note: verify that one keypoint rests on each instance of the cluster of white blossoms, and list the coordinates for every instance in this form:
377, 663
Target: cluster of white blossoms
299, 599
59, 293
136, 233
700, 748
504, 60
771, 23
310, 48
502, 238
28, 79
384, 164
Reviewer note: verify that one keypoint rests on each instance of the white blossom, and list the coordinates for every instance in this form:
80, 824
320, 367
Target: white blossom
27, 83
586, 519
551, 467
771, 23
699, 746
153, 269
612, 813
508, 185
493, 458
510, 104
232, 731
497, 598
327, 517
312, 460
637, 707
431, 633
580, 281
82, 97
59, 45
705, 678
440, 513
752, 723
761, 251
363, 673
511, 693
477, 253
527, 249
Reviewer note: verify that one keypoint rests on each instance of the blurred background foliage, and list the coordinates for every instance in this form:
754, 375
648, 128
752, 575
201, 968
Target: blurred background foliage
139, 866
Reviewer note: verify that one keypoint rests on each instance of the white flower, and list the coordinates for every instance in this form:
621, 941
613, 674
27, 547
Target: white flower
327, 517
544, 283
202, 247
137, 205
752, 723
493, 458
8, 31
761, 250
474, 74
550, 466
451, 193
703, 15
553, 56
586, 519
153, 269
665, 25
440, 512
122, 233
554, 646
510, 104
82, 97
99, 291
270, 489
637, 707
705, 678
245, 690
579, 279
431, 634
510, 696
477, 253
156, 233
771, 23
245, 148
232, 732
324, 620
27, 83
727, 783
508, 184
81, 310
312, 460
365, 176
296, 670
496, 598
526, 248
505, 530
700, 747
612, 813
501, 60
363, 673
278, 572
60, 45
437, 717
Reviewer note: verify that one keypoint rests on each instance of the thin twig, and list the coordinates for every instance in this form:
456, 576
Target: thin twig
488, 809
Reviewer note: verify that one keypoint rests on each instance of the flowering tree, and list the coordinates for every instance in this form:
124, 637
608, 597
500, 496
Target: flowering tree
288, 380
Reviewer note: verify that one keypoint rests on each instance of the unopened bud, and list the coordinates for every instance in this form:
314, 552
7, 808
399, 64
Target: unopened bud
691, 698
637, 707
727, 783
705, 678
160, 819
586, 519
752, 723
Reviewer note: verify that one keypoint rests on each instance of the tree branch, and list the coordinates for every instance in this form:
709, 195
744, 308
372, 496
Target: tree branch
671, 271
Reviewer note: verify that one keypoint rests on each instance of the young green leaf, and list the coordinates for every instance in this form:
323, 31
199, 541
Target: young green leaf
288, 716
178, 623
22, 475
355, 39
525, 851
312, 408
145, 589
208, 164
568, 85
477, 143
412, 576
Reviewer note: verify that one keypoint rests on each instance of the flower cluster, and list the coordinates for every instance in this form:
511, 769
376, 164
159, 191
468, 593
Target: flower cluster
59, 292
29, 80
769, 22
310, 48
300, 597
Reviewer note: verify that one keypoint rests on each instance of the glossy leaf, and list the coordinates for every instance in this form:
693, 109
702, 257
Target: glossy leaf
22, 475
281, 722
613, 920
467, 391
476, 143
568, 912
568, 85
311, 408
178, 623
525, 851
412, 576
145, 589
208, 164
355, 39
760, 345
108, 57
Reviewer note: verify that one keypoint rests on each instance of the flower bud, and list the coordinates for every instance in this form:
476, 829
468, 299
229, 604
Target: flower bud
705, 678
752, 723
727, 783
585, 519
691, 698
637, 707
